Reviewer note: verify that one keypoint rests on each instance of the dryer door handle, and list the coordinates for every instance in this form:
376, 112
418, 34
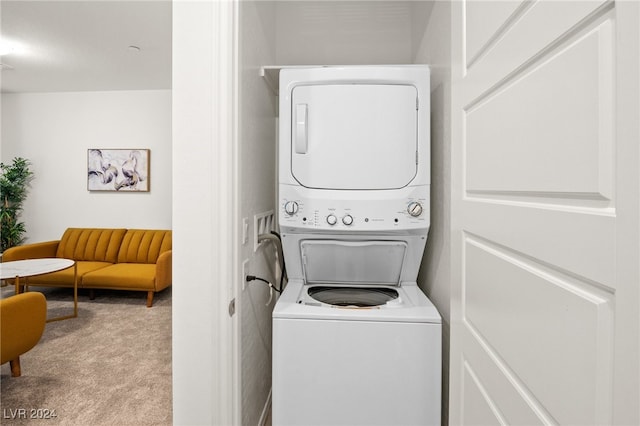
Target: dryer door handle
301, 138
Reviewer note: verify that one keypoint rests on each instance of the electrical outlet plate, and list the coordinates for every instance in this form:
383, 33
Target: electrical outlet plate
263, 223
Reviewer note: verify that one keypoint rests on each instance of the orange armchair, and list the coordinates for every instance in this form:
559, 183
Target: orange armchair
22, 321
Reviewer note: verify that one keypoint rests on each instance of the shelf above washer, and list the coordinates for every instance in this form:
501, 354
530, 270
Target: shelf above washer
271, 74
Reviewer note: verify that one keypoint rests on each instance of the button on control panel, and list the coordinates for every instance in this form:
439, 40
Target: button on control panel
332, 219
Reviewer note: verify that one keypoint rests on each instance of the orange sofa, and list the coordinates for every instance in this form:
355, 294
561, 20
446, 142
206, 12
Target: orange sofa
106, 258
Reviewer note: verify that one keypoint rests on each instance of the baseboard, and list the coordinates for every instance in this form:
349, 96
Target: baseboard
266, 412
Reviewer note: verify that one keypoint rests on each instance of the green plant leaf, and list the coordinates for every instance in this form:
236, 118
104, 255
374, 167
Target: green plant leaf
15, 180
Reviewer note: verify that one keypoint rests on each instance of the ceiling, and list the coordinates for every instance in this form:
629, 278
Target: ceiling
63, 46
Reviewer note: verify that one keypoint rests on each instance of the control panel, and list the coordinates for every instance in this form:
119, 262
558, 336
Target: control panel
372, 214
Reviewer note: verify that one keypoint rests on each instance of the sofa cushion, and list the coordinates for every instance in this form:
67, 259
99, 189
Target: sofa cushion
144, 245
64, 278
122, 276
91, 244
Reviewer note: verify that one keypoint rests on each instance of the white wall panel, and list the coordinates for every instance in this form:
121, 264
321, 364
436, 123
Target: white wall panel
535, 317
517, 48
485, 21
257, 174
508, 398
432, 45
575, 241
545, 235
476, 400
550, 130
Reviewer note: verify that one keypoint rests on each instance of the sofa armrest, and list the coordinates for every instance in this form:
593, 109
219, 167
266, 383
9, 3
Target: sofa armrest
164, 270
22, 321
31, 251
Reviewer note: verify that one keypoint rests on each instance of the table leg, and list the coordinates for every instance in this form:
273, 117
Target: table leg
75, 289
75, 297
17, 282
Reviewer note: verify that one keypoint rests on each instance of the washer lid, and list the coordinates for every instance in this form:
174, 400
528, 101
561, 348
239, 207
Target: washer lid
352, 262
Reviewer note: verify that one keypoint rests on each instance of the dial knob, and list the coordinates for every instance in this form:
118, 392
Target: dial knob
291, 207
332, 220
347, 220
414, 209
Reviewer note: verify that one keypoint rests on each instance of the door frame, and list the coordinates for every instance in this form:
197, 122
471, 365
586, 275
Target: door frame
206, 376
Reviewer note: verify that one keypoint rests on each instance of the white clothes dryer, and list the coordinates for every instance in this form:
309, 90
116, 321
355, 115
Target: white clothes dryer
355, 341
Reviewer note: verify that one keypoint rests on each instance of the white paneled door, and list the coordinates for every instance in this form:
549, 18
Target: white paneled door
545, 213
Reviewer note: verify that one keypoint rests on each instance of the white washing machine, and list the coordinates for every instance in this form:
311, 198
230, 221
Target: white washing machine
355, 341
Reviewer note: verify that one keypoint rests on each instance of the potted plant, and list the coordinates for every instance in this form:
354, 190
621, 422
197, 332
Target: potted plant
14, 183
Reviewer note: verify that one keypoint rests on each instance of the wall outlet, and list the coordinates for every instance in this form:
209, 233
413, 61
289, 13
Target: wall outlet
263, 223
245, 272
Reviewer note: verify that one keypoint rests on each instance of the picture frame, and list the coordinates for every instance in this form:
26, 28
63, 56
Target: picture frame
119, 170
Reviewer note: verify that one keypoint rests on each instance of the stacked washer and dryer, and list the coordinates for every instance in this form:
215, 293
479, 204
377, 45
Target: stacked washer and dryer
355, 341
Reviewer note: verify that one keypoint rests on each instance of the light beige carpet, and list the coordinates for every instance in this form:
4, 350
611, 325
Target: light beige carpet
109, 366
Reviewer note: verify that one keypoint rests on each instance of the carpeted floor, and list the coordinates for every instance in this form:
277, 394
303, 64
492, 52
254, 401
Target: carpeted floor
109, 366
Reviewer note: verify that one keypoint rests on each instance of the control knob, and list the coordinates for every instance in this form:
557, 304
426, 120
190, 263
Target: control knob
291, 208
414, 209
332, 219
347, 220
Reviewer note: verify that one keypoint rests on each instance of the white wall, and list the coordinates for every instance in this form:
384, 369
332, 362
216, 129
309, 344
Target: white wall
54, 131
432, 45
257, 176
343, 32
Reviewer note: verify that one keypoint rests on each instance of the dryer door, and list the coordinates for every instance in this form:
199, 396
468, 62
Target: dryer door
354, 136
